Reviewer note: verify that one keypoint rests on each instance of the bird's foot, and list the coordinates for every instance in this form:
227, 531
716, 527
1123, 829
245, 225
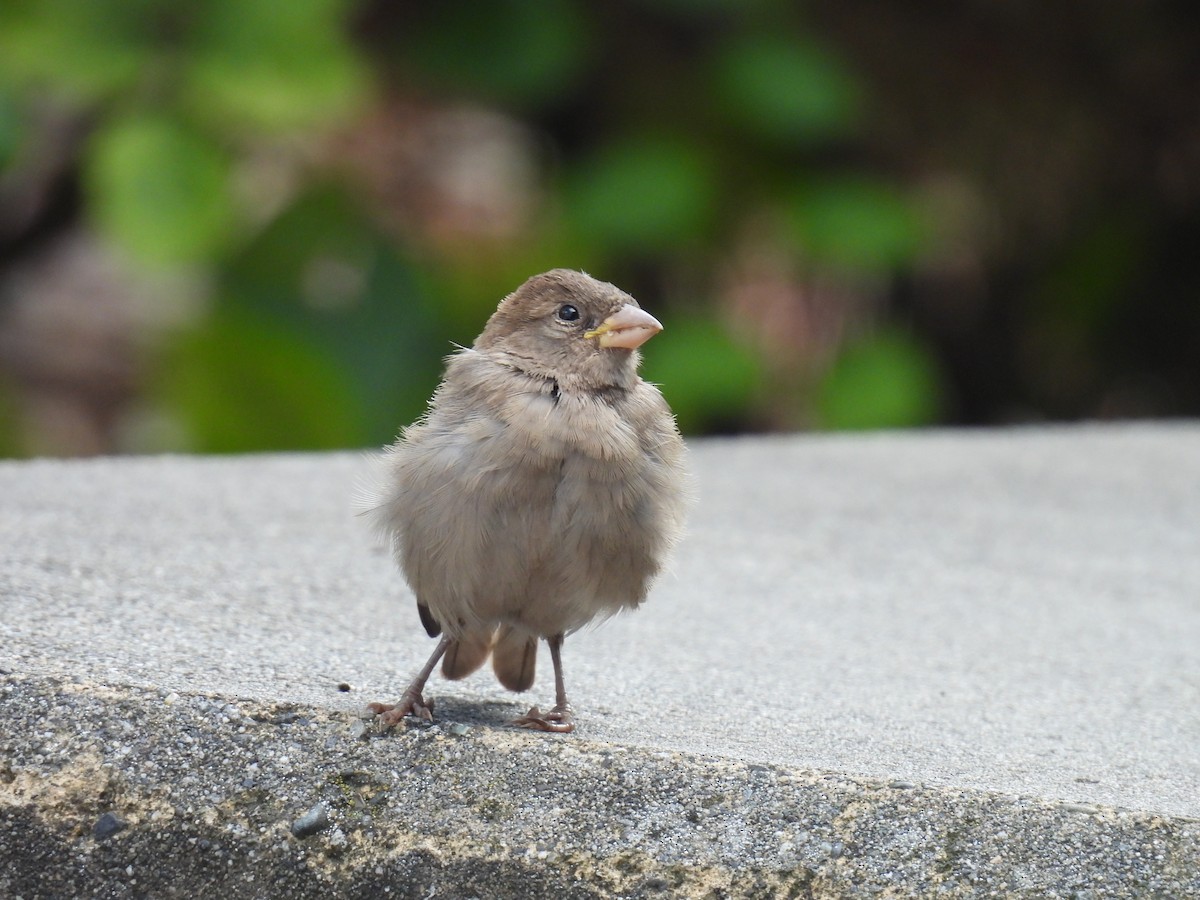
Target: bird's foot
560, 720
411, 703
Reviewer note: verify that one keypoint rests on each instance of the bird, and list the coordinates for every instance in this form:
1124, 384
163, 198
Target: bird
542, 490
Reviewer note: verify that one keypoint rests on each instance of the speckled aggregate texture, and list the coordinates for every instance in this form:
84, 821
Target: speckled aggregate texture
208, 791
942, 664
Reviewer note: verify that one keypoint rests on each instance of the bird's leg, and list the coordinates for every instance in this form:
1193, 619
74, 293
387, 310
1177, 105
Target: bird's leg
411, 703
560, 719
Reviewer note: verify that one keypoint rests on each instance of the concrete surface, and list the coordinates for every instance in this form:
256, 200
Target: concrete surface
942, 663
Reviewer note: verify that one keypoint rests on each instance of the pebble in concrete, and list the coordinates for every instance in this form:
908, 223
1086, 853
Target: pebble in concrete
311, 822
106, 826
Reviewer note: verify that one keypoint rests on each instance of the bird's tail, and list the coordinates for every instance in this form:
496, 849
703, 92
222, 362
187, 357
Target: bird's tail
514, 658
467, 653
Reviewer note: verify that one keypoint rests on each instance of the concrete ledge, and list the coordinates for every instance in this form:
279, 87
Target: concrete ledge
147, 793
942, 663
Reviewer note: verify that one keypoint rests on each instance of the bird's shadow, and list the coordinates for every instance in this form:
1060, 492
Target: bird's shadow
479, 713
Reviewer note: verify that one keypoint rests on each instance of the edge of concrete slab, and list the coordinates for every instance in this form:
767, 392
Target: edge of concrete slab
124, 792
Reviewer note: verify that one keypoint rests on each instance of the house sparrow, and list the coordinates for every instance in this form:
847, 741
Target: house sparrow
542, 489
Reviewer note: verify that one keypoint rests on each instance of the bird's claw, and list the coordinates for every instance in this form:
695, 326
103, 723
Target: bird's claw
411, 703
559, 720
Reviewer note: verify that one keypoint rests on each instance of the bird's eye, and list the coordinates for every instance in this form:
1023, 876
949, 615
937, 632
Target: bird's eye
568, 313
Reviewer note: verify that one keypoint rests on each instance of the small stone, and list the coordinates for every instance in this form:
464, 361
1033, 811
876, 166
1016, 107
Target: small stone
345, 688
459, 729
358, 730
901, 785
311, 822
106, 826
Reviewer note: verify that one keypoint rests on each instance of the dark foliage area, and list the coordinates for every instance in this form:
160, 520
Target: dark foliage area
227, 229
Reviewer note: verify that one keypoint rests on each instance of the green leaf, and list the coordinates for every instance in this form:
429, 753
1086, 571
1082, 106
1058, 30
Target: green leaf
322, 275
159, 190
708, 379
857, 223
525, 52
87, 48
1093, 274
787, 89
644, 192
693, 10
259, 65
241, 385
12, 128
11, 424
887, 380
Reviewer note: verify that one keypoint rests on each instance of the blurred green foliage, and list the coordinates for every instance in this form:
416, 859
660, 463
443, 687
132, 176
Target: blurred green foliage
885, 380
257, 66
352, 327
720, 375
325, 328
786, 89
857, 224
10, 443
10, 129
160, 190
233, 63
523, 53
643, 195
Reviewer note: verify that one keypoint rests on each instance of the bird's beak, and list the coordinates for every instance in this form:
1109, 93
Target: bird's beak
629, 327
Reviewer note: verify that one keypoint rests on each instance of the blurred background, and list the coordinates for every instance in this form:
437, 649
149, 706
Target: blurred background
244, 225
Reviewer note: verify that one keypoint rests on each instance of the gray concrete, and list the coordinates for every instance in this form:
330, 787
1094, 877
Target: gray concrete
927, 663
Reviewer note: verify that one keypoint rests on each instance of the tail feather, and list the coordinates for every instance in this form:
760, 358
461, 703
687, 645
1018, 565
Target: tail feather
514, 658
467, 653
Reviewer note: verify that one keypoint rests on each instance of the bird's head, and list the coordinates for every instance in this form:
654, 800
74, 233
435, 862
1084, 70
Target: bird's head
570, 327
